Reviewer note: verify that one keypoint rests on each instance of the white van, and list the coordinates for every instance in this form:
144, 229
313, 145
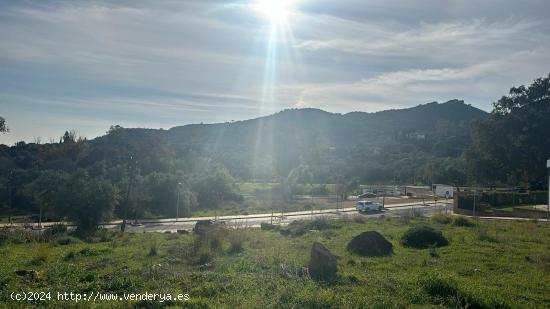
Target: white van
363, 206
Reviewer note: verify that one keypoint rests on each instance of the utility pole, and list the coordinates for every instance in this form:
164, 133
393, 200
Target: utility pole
127, 201
474, 210
40, 217
337, 192
548, 206
10, 189
178, 201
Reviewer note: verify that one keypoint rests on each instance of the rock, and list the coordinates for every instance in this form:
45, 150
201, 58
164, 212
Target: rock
370, 243
31, 275
322, 264
202, 226
423, 237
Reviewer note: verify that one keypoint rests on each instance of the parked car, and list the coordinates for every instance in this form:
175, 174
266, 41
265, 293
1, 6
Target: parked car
367, 195
364, 206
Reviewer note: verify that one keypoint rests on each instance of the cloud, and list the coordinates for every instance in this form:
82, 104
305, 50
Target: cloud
480, 84
477, 38
176, 62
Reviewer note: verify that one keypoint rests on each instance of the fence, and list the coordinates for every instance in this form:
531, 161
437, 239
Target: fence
494, 199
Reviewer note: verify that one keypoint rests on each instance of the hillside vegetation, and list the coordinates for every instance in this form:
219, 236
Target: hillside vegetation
195, 168
492, 265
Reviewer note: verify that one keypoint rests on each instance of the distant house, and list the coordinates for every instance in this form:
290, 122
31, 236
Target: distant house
416, 135
441, 190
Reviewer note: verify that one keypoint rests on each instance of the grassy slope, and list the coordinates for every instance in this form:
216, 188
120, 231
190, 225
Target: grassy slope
512, 265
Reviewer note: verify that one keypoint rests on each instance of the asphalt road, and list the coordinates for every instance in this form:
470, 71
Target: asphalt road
173, 225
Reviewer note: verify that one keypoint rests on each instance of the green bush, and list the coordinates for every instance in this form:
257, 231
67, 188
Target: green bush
16, 237
442, 218
301, 227
153, 250
53, 231
236, 241
423, 236
268, 227
482, 233
463, 221
67, 240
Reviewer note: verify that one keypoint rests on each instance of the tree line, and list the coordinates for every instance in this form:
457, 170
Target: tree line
88, 182
134, 173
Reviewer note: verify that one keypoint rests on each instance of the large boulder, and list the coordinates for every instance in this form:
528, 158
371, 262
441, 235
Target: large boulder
423, 236
370, 243
322, 264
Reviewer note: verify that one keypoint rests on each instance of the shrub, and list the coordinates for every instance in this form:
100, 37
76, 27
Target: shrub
423, 236
40, 256
318, 224
67, 240
153, 250
463, 221
433, 252
53, 231
236, 241
267, 226
204, 255
15, 237
442, 219
70, 256
300, 227
482, 234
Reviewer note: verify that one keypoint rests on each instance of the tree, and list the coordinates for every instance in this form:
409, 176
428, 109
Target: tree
86, 201
3, 126
187, 201
45, 189
216, 186
513, 144
298, 175
139, 198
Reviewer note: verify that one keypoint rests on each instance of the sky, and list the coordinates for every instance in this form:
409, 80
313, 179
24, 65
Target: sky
87, 65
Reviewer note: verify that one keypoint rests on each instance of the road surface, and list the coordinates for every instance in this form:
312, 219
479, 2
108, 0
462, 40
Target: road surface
174, 224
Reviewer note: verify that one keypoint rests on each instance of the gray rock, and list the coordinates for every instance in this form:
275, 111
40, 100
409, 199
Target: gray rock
370, 243
323, 264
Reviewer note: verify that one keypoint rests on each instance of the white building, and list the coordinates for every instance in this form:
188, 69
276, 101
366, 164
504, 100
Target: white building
443, 190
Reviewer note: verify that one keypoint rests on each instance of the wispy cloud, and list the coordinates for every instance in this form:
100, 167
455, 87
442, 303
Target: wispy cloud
175, 62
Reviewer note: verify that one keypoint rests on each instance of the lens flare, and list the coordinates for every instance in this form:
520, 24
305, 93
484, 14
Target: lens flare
274, 10
278, 40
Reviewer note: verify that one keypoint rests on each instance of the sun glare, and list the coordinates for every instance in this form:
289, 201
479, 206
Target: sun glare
274, 10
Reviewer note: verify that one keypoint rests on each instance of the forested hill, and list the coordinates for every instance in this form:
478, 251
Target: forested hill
395, 145
450, 142
422, 144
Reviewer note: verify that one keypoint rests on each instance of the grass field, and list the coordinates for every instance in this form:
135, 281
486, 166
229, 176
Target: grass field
496, 264
255, 187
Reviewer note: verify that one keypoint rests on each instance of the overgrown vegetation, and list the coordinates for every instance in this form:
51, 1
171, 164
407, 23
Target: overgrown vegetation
250, 268
519, 126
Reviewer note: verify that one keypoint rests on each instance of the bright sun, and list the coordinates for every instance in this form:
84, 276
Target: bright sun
275, 10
